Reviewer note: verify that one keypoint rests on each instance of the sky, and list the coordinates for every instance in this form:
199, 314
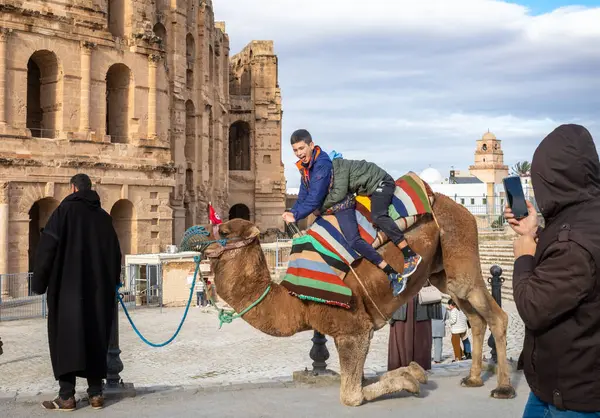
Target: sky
412, 84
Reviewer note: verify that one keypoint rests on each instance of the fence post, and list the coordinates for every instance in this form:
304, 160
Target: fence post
44, 305
319, 353
496, 281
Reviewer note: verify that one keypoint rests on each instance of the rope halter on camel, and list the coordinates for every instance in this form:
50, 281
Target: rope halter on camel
196, 239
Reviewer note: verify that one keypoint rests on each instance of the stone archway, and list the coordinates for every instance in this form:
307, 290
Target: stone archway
239, 146
123, 216
38, 217
119, 101
239, 211
44, 92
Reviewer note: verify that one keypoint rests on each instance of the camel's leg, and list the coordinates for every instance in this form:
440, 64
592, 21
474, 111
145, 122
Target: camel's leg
459, 242
404, 378
352, 351
481, 300
478, 327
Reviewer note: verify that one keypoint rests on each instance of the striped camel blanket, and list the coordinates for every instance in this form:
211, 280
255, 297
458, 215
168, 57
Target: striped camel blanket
320, 259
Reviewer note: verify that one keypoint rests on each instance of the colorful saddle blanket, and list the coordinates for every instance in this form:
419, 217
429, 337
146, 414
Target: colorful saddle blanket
320, 259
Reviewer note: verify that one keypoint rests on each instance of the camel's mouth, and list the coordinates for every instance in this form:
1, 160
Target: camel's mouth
213, 247
231, 235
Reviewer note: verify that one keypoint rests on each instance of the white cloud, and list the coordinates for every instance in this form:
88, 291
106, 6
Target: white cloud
407, 84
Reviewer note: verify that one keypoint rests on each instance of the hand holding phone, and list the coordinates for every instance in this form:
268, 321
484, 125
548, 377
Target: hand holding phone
524, 226
520, 213
515, 196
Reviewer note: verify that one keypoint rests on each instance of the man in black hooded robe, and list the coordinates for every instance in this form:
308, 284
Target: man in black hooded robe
78, 265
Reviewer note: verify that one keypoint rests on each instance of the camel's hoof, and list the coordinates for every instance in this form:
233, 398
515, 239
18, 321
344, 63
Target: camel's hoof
412, 384
503, 392
472, 382
417, 372
350, 400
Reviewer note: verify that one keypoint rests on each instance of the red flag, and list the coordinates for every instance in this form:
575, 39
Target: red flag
212, 216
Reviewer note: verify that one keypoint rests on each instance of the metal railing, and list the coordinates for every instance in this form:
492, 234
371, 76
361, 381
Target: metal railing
488, 210
277, 254
17, 301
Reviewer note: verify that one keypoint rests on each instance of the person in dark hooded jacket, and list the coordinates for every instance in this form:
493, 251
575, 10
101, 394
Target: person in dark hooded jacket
78, 265
556, 279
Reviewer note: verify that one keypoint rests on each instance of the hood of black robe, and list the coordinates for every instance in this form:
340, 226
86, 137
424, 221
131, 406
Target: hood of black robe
89, 197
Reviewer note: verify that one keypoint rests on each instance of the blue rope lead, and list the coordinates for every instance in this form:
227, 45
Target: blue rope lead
224, 316
197, 260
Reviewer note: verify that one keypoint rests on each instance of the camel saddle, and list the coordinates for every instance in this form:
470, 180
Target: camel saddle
320, 259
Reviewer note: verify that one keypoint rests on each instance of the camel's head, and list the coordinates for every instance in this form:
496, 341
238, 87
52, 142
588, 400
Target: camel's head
237, 233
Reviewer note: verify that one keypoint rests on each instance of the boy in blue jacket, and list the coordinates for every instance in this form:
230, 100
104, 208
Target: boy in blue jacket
315, 171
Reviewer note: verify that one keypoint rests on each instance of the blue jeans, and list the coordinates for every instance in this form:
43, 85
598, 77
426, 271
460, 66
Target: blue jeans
349, 226
467, 345
536, 408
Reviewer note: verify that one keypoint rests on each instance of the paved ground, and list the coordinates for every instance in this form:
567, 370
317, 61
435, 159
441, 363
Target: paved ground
442, 396
202, 356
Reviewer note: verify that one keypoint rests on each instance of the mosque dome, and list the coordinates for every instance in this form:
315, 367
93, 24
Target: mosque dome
488, 136
431, 175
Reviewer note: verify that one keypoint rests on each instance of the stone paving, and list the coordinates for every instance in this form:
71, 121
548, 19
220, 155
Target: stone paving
440, 397
201, 356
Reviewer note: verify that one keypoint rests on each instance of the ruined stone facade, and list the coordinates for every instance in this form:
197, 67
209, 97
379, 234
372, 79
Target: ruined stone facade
135, 93
256, 178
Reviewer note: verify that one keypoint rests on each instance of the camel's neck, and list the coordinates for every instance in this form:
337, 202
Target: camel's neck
242, 276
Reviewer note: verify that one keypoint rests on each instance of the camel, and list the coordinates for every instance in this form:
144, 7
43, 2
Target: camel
448, 244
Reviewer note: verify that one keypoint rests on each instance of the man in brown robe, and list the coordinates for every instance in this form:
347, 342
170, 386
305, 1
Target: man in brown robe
410, 334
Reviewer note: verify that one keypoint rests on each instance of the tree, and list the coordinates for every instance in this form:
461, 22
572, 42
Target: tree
522, 169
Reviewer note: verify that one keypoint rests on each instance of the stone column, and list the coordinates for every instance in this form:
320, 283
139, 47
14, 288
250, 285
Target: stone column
86, 74
152, 65
4, 34
4, 213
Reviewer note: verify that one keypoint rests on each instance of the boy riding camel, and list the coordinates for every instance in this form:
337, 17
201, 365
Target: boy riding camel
336, 197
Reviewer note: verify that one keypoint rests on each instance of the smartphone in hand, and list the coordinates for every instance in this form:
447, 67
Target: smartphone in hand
515, 196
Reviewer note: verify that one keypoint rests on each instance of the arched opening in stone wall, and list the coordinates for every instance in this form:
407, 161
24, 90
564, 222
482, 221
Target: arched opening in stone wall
189, 79
190, 132
189, 181
211, 140
123, 216
190, 53
239, 211
190, 48
160, 31
118, 90
189, 216
43, 93
246, 83
239, 146
116, 18
38, 217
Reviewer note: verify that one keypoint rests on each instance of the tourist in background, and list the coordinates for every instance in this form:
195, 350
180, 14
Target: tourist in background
438, 330
459, 327
200, 292
410, 334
